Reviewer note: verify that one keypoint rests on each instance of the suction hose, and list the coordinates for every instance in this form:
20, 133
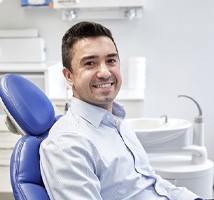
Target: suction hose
199, 151
198, 128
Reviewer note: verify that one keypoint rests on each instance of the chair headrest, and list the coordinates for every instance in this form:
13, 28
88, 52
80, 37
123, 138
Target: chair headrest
27, 107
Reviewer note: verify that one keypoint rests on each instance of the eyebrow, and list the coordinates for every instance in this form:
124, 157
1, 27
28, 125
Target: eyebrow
113, 55
88, 57
95, 56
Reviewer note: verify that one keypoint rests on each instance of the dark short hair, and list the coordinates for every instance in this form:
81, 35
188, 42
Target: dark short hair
79, 31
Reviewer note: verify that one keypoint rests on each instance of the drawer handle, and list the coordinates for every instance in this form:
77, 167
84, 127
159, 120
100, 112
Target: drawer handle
6, 148
4, 165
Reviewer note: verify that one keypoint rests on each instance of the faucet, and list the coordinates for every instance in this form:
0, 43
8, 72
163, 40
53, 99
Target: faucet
165, 118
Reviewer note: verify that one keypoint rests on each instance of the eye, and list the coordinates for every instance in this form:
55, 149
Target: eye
90, 64
112, 61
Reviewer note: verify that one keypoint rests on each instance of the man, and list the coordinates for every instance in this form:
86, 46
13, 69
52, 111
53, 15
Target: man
91, 152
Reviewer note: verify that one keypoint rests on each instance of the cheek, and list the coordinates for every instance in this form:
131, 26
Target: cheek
117, 73
83, 77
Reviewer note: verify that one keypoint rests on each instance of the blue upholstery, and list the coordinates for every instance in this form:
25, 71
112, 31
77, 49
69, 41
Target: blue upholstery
32, 115
25, 174
27, 104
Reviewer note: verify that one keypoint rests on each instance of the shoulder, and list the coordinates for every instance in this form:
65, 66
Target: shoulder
68, 123
70, 129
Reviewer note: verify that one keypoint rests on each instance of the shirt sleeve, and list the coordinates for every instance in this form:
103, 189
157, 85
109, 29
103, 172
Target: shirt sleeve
173, 192
68, 169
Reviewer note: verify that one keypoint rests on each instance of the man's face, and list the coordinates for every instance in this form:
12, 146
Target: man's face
95, 76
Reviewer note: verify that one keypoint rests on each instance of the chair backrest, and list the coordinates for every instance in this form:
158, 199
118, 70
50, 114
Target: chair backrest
30, 113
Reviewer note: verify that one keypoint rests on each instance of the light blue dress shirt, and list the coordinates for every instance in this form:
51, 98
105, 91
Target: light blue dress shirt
93, 154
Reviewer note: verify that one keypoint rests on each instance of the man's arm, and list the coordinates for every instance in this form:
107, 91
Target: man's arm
177, 193
68, 169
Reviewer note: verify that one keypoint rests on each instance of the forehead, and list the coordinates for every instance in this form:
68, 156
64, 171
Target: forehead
94, 46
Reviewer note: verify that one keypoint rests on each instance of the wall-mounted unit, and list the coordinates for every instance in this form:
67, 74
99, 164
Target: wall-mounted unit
98, 9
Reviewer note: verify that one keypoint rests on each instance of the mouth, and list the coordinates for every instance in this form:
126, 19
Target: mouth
106, 85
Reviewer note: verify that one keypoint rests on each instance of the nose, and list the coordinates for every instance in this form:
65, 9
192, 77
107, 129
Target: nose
103, 71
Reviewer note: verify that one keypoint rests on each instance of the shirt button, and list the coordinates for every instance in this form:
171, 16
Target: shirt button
108, 117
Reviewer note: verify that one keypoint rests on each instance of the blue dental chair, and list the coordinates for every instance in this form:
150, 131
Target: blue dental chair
31, 114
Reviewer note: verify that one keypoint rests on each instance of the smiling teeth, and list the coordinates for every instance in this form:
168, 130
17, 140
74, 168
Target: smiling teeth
103, 85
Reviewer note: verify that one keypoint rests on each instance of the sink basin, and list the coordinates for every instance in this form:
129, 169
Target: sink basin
157, 135
158, 124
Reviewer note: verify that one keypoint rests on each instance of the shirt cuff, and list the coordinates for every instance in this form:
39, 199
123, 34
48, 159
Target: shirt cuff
187, 194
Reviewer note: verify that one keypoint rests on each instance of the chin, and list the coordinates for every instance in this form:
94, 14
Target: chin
104, 100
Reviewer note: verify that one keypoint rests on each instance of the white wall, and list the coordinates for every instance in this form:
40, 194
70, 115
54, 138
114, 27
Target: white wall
176, 37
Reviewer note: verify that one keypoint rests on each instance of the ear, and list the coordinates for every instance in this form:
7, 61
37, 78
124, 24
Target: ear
68, 76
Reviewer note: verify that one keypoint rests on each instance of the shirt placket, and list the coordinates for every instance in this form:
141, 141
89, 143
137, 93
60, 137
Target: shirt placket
142, 166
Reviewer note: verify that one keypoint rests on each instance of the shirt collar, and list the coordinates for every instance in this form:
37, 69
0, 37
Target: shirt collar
94, 114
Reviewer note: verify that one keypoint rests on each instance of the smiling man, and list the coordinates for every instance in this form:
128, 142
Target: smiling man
91, 153
94, 71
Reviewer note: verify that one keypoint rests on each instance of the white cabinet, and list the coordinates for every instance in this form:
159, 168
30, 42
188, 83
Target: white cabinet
98, 9
7, 143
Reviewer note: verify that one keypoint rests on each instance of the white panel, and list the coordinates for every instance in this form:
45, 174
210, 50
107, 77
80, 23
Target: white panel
101, 14
22, 50
15, 33
96, 3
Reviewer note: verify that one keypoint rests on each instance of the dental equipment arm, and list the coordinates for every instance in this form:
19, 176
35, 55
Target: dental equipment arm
198, 149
